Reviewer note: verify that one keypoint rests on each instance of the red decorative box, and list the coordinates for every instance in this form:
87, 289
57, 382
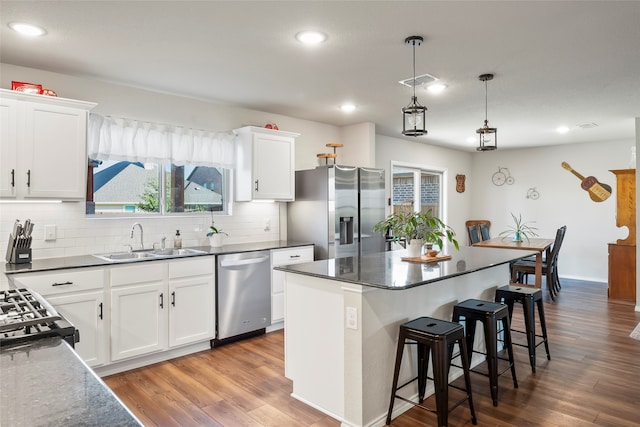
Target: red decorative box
26, 87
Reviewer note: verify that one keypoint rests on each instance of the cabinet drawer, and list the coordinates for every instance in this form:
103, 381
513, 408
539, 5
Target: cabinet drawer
291, 256
141, 272
193, 267
59, 282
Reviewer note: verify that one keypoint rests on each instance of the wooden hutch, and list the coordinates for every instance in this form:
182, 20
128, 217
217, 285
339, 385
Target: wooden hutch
622, 254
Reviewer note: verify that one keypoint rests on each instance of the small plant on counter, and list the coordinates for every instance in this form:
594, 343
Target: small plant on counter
213, 229
417, 225
519, 229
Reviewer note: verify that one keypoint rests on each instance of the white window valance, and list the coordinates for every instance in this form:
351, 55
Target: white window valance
137, 141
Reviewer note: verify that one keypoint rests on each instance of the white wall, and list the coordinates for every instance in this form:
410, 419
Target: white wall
453, 162
590, 225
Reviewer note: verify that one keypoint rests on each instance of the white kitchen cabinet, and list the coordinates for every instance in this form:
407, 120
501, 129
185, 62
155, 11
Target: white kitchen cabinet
160, 305
192, 300
138, 309
281, 257
43, 146
78, 295
265, 164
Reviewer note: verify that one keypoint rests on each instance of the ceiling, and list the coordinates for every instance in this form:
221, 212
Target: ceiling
570, 63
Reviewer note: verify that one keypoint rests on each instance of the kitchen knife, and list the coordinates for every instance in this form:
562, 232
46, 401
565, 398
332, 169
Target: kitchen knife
25, 227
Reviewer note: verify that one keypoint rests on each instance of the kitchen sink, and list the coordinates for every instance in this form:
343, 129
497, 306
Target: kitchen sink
148, 254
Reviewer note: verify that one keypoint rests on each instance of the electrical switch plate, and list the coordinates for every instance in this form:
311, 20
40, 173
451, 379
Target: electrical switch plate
352, 318
50, 232
267, 225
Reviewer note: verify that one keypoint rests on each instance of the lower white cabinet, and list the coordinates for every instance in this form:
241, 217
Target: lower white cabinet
284, 257
78, 295
192, 301
159, 305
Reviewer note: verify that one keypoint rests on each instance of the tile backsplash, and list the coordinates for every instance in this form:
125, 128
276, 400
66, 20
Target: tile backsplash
78, 234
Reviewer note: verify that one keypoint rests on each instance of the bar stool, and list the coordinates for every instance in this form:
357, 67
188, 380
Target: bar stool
439, 337
529, 297
489, 313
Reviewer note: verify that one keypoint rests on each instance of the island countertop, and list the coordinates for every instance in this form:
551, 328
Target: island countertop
387, 270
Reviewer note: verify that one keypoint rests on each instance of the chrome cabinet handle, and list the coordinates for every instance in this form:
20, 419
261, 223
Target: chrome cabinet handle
294, 256
173, 298
29, 178
257, 186
161, 300
100, 315
13, 177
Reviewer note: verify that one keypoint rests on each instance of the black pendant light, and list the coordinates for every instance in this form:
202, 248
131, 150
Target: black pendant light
413, 115
488, 135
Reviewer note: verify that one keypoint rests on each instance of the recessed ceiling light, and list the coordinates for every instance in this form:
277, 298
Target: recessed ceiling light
27, 29
347, 108
311, 38
436, 87
562, 129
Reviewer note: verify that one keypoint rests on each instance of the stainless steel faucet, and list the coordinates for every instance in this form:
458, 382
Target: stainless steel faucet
141, 233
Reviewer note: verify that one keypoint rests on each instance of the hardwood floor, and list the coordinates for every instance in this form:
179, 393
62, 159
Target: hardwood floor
593, 378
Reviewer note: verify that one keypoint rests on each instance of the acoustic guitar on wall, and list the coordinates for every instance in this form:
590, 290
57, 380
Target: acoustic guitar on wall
597, 191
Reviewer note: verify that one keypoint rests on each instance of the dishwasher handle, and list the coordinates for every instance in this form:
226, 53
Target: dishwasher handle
240, 262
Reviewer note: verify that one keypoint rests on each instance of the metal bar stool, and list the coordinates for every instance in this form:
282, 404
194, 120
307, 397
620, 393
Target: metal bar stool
489, 313
438, 337
529, 297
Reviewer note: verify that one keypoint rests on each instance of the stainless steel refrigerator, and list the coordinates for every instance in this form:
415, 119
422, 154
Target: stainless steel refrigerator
336, 208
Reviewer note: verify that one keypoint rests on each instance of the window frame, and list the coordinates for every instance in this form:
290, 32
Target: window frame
417, 170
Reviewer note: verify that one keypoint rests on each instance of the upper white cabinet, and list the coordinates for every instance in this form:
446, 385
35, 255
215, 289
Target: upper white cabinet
265, 168
43, 146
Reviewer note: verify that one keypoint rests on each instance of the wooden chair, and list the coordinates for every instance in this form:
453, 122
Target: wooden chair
522, 268
482, 229
474, 237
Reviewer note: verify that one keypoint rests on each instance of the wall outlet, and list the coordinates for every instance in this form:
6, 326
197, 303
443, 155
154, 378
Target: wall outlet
267, 225
50, 232
352, 318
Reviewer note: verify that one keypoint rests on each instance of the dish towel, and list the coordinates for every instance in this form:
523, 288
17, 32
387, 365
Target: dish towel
635, 334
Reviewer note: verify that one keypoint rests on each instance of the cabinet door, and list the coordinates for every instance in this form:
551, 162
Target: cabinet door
273, 168
8, 124
86, 312
192, 310
284, 257
138, 319
53, 163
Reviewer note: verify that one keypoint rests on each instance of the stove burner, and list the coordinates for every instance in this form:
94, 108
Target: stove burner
25, 315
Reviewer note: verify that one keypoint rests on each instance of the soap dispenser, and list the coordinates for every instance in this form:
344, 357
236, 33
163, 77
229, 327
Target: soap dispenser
177, 241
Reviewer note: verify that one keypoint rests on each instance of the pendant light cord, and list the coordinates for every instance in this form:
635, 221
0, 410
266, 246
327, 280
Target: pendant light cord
414, 69
485, 102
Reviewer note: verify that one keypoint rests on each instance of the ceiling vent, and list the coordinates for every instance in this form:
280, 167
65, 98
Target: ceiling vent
424, 79
588, 125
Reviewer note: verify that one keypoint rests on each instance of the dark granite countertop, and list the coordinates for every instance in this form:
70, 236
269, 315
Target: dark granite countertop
388, 271
84, 261
44, 383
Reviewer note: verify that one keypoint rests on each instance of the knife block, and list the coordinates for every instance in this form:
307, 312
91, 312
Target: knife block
21, 256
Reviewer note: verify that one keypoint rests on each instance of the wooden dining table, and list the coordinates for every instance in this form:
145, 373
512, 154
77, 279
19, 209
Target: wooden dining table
539, 245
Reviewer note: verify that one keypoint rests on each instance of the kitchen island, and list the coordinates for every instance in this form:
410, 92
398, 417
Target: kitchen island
342, 318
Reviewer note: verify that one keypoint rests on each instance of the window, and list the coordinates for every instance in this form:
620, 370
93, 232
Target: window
150, 168
130, 188
416, 189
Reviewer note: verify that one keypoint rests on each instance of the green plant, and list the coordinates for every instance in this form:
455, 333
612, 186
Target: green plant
213, 229
520, 229
417, 225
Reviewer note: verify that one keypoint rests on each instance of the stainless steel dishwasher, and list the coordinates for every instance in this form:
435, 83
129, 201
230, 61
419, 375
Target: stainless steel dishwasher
244, 293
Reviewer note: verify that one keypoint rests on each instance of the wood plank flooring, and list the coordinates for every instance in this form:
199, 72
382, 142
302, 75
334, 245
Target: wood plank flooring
593, 378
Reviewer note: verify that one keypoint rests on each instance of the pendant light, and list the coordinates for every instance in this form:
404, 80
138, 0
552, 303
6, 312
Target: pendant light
488, 135
413, 115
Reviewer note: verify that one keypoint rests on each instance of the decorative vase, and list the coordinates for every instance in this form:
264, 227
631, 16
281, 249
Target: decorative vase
518, 237
216, 240
415, 248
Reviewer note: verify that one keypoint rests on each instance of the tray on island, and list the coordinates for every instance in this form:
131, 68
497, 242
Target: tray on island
425, 258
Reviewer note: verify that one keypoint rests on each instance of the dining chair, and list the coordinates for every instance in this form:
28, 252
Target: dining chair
522, 268
484, 231
474, 237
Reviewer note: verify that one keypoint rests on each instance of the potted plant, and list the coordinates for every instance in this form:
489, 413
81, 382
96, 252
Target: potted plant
519, 229
215, 235
416, 228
